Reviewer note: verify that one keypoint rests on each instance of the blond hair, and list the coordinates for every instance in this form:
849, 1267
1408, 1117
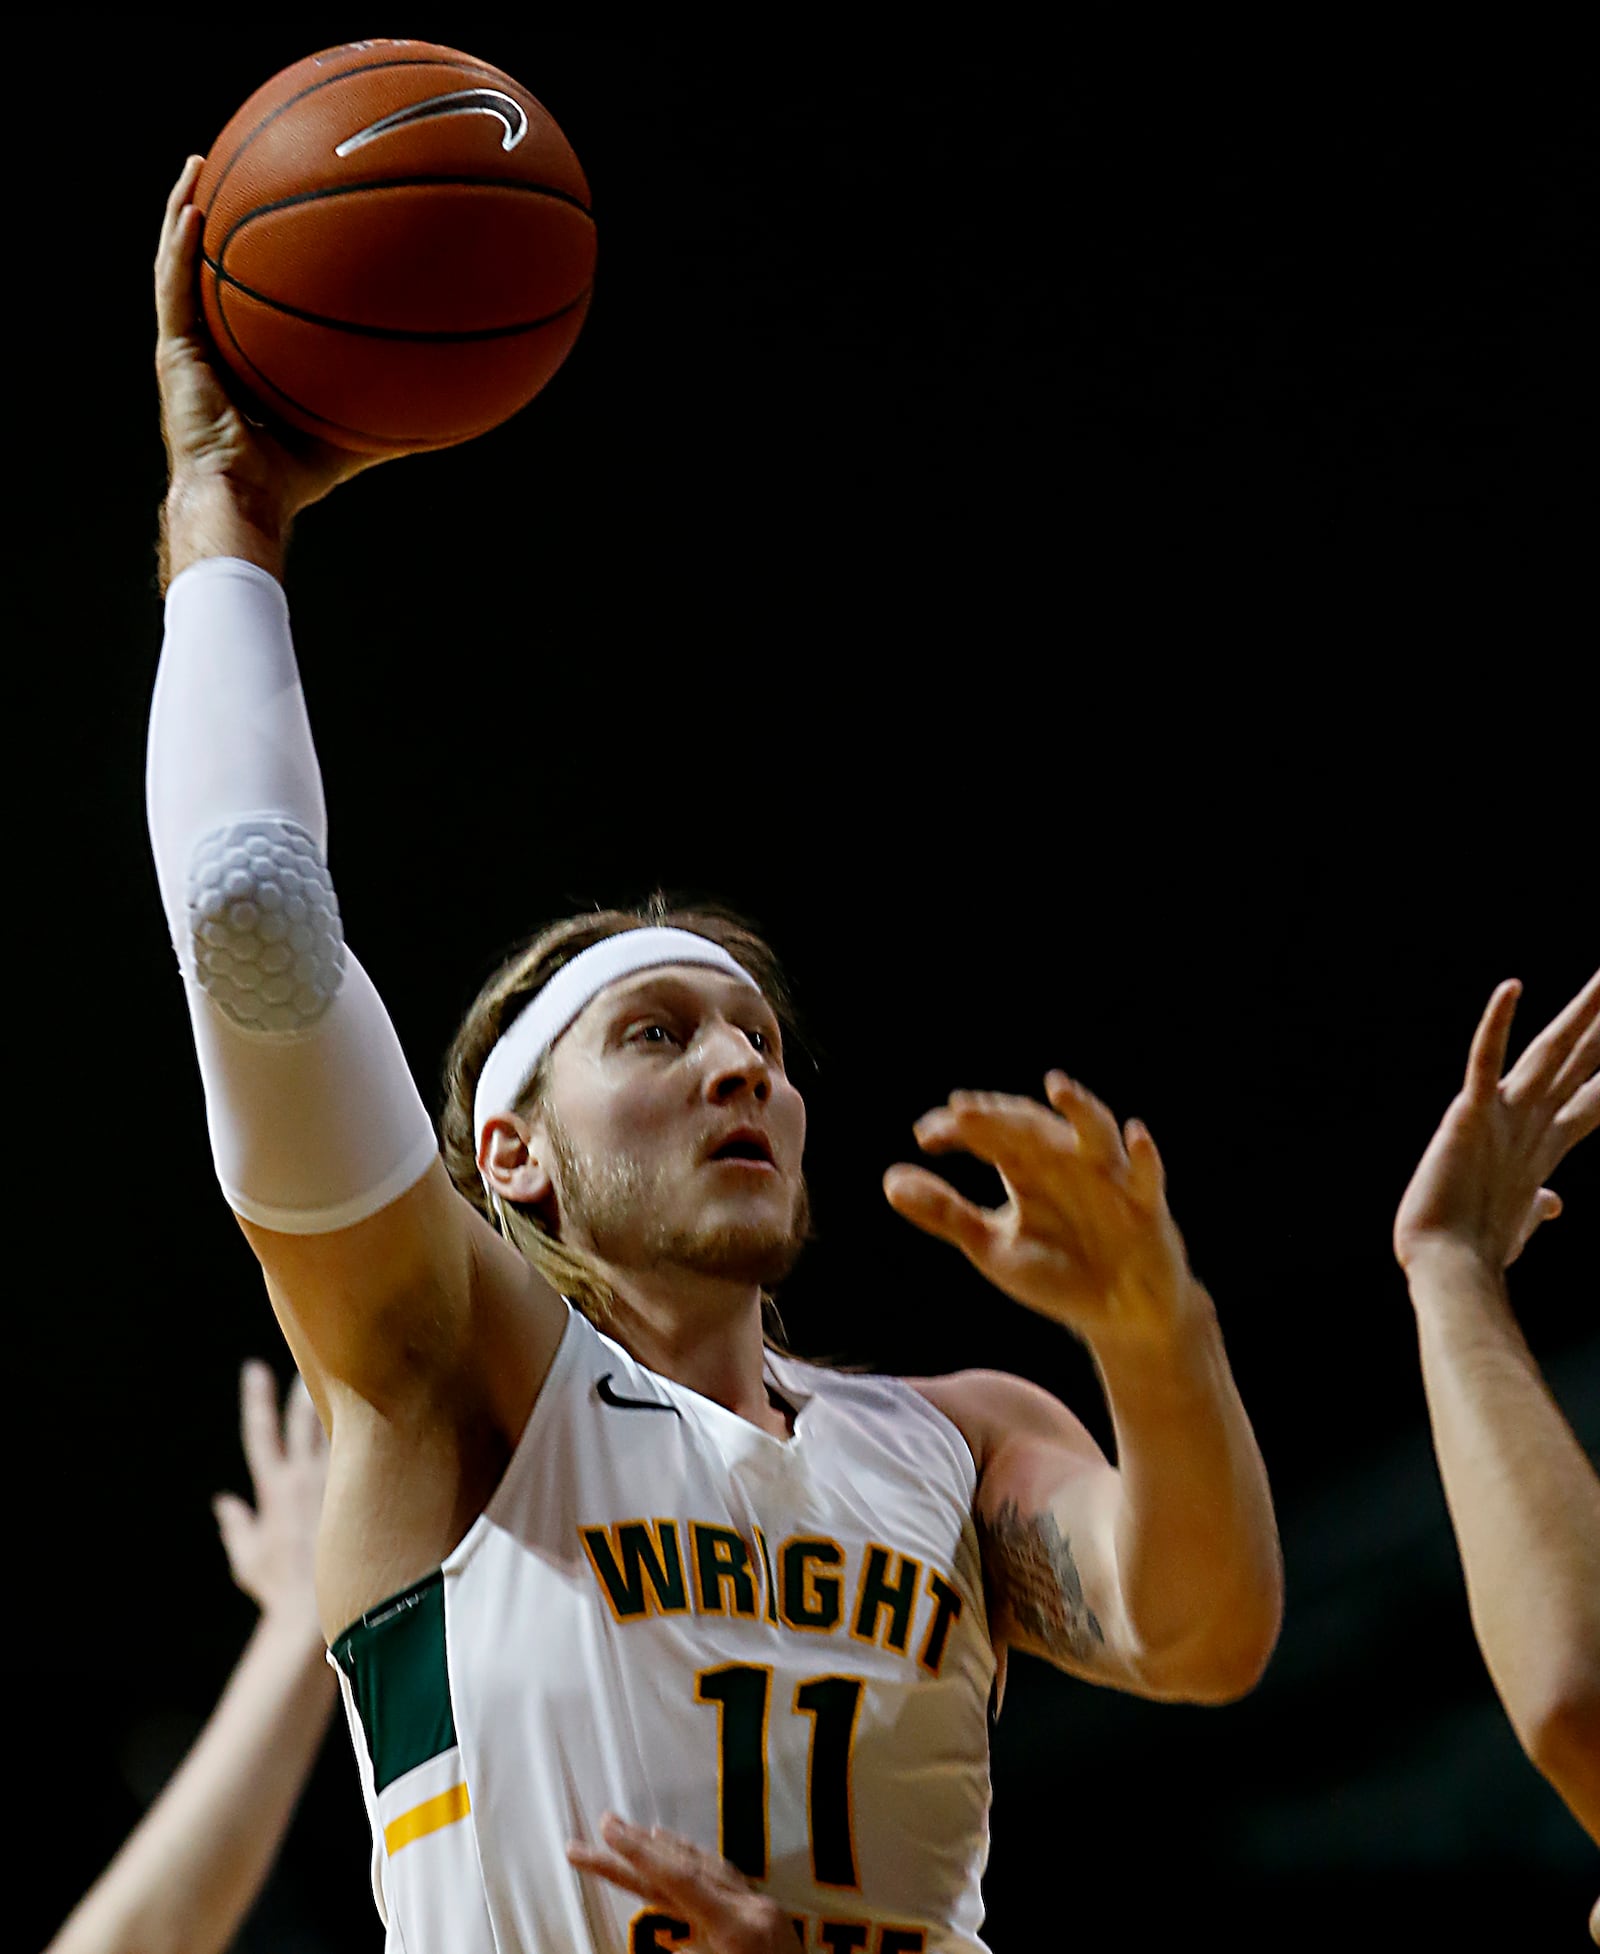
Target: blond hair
523, 974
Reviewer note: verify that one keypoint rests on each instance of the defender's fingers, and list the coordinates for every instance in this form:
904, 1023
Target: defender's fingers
1545, 1206
1487, 1056
605, 1864
234, 1521
1580, 1065
303, 1436
935, 1207
695, 1881
1548, 1053
1577, 1119
258, 1420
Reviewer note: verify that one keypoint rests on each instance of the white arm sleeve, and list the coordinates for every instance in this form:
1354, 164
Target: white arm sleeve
315, 1120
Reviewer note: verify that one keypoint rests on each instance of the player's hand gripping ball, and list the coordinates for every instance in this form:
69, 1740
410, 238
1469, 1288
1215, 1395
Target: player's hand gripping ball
398, 246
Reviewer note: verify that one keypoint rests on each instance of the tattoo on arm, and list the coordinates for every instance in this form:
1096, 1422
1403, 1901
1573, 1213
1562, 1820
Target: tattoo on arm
1030, 1567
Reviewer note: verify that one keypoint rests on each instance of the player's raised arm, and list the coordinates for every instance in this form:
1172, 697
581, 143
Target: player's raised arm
1524, 1499
1163, 1574
321, 1141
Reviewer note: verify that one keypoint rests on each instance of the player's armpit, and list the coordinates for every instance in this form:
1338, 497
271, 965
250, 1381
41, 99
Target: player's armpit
418, 1294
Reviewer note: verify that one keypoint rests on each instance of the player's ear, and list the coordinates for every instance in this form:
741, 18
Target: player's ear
508, 1158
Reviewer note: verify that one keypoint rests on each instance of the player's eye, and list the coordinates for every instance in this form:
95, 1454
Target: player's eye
651, 1032
766, 1042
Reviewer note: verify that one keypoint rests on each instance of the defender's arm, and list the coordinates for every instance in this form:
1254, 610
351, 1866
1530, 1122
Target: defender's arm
1524, 1499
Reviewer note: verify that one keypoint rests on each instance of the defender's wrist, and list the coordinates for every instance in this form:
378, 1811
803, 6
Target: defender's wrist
1450, 1265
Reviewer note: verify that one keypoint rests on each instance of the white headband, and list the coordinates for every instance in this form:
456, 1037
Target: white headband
514, 1060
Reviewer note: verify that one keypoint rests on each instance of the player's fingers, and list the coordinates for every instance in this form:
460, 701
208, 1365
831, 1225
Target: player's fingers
1487, 1057
176, 308
1090, 1118
935, 1207
181, 193
1145, 1172
1013, 1134
258, 1420
177, 300
1548, 1053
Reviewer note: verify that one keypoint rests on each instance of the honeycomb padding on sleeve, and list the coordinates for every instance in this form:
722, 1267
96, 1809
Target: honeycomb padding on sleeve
265, 934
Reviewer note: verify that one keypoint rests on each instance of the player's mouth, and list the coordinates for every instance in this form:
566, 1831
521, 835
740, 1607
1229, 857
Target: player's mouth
744, 1146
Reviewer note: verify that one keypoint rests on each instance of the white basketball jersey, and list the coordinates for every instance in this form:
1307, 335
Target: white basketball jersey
777, 1648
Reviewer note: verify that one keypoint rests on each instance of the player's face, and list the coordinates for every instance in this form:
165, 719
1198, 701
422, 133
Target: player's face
674, 1134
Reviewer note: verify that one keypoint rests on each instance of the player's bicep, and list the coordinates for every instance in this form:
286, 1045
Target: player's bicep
1046, 1522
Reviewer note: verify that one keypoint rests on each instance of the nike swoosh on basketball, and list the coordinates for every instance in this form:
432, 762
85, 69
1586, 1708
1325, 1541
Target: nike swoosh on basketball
505, 108
608, 1396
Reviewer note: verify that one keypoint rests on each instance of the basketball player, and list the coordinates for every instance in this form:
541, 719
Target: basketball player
614, 1553
189, 1873
1523, 1498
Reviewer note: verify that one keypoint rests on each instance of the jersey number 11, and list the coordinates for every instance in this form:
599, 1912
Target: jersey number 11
742, 1693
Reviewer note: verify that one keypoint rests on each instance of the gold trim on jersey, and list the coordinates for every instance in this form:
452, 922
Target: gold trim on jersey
430, 1816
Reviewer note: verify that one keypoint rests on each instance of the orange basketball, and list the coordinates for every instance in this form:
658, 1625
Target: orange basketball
398, 246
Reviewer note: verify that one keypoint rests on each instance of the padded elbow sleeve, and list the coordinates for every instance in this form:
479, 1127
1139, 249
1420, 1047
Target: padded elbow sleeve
265, 939
315, 1121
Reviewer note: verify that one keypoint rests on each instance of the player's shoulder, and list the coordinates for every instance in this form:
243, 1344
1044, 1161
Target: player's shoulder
993, 1408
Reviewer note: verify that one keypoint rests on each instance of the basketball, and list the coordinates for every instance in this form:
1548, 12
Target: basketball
398, 246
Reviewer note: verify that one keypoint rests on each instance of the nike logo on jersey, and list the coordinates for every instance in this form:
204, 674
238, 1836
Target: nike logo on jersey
608, 1396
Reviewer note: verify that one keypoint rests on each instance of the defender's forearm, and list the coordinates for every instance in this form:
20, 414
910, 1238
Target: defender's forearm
1525, 1504
1200, 1571
189, 1873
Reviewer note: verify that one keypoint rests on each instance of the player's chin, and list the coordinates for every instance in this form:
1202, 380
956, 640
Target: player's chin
761, 1257
753, 1248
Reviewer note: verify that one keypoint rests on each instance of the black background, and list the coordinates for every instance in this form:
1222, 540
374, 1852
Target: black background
1083, 536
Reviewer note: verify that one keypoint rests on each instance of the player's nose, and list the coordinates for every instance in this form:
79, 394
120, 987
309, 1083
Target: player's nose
733, 1065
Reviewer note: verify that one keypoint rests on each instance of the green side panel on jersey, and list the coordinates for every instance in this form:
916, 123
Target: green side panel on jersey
394, 1657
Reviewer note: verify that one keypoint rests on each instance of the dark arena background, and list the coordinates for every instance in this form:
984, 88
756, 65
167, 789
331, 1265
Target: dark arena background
1090, 542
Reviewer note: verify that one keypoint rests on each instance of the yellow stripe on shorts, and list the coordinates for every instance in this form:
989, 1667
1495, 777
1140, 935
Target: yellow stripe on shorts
427, 1817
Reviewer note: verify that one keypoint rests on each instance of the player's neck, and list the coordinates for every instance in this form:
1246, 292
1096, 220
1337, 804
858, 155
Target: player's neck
702, 1333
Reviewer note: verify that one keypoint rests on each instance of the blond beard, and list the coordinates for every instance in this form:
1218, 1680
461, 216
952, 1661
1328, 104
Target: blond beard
608, 1200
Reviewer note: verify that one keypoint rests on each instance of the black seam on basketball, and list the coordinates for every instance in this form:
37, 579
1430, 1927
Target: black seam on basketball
391, 183
366, 68
270, 387
419, 335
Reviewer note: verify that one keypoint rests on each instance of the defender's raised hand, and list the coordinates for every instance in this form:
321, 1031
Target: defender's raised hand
1083, 1235
1480, 1185
265, 473
724, 1912
271, 1547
